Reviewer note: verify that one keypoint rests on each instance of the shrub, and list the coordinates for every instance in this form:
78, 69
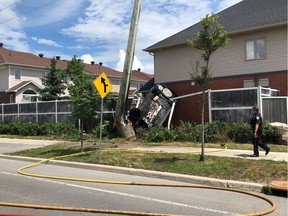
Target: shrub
240, 133
108, 131
3, 128
216, 131
59, 129
34, 129
188, 131
271, 134
29, 129
157, 134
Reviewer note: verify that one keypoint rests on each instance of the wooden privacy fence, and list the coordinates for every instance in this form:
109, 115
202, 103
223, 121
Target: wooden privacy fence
275, 109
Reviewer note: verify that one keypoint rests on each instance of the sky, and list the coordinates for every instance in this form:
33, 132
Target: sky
97, 30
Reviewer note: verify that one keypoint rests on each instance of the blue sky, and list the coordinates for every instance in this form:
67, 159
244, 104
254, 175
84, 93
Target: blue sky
97, 30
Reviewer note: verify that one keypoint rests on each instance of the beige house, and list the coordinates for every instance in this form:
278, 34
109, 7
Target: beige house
21, 73
256, 56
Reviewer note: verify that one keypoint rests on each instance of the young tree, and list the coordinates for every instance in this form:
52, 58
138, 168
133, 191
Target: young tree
85, 99
208, 40
54, 83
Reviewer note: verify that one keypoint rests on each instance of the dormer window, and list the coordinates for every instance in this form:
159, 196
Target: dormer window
255, 49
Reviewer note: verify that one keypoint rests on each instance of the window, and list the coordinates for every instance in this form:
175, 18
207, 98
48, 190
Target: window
17, 74
43, 75
256, 82
255, 49
29, 96
12, 98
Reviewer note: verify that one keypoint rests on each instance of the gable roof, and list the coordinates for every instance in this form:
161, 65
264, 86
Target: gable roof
21, 85
12, 57
242, 17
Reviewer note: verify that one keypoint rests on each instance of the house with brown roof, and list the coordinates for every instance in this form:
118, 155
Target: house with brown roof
256, 56
21, 73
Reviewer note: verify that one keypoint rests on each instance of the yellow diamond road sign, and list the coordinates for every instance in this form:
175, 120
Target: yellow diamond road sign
103, 85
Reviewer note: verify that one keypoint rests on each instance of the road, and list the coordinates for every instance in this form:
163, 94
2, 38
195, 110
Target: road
163, 200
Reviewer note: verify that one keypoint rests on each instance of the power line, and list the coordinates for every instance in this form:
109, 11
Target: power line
26, 12
11, 5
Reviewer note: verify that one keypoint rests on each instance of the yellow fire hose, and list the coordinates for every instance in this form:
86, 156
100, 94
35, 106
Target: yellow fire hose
91, 210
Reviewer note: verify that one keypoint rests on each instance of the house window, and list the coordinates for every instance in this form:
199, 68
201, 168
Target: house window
43, 75
29, 96
12, 98
17, 74
255, 49
256, 82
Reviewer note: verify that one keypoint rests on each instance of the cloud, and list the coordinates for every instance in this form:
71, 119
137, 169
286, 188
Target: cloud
46, 42
11, 32
97, 29
120, 64
87, 58
226, 3
39, 13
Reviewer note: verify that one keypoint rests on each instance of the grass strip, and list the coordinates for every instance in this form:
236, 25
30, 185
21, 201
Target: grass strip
260, 171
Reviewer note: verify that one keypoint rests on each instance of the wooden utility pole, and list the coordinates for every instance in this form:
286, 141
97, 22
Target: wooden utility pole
124, 127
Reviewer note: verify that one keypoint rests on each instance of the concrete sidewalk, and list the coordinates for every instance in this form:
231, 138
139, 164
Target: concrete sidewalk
275, 156
13, 145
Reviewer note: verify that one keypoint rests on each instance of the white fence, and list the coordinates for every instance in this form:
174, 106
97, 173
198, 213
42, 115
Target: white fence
40, 112
234, 105
49, 111
229, 105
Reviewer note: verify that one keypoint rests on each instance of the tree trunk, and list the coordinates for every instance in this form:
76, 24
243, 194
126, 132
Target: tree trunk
81, 134
202, 156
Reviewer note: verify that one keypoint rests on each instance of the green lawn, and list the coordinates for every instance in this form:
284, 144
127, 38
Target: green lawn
261, 171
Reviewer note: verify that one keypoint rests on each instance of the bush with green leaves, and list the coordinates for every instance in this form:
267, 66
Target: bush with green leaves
240, 133
216, 131
60, 129
34, 129
189, 132
157, 134
186, 132
3, 128
271, 134
108, 131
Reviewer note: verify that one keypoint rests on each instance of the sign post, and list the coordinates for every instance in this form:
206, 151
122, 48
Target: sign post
103, 86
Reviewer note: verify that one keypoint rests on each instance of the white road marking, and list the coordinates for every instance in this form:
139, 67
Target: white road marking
125, 194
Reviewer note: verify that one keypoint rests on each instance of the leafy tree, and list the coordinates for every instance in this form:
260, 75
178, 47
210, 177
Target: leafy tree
54, 83
208, 40
85, 99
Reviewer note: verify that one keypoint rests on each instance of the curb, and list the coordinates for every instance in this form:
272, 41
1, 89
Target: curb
256, 187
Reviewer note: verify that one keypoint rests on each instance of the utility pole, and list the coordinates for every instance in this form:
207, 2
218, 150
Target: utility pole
124, 126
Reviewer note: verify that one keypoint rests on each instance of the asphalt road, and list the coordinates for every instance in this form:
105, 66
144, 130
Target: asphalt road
169, 200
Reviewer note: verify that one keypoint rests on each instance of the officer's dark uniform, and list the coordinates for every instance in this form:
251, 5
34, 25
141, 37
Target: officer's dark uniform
257, 119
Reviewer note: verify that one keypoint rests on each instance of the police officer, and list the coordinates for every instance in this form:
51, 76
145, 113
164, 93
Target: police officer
256, 124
